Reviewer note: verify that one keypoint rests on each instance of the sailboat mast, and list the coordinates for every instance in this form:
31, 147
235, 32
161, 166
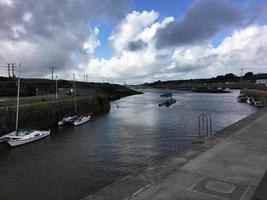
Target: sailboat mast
74, 90
17, 114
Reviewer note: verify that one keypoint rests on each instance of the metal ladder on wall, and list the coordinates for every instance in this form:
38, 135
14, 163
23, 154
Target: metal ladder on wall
204, 125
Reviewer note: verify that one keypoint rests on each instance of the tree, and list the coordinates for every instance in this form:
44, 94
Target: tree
248, 75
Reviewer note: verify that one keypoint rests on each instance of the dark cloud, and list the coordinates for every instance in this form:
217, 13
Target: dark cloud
203, 19
136, 45
49, 32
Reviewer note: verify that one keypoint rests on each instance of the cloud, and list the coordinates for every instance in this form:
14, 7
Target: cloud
129, 28
136, 45
52, 33
135, 63
245, 47
203, 19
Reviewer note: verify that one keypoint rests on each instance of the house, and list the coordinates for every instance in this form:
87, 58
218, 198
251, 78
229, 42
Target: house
261, 81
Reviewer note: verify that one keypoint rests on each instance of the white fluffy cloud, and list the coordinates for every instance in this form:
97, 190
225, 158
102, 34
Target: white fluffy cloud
52, 33
146, 47
245, 47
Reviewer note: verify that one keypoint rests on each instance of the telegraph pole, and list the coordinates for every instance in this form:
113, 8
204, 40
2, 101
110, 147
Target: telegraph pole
56, 88
13, 69
8, 69
74, 91
52, 70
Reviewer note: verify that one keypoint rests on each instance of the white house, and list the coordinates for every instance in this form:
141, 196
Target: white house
262, 81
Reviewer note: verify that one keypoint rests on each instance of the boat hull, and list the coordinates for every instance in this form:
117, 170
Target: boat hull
81, 121
18, 142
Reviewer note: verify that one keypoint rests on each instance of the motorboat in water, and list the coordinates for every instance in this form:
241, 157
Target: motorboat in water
168, 102
242, 99
259, 104
250, 101
67, 120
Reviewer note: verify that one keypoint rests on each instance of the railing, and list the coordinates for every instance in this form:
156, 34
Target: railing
204, 125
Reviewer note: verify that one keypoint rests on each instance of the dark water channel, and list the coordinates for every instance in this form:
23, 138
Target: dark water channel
76, 161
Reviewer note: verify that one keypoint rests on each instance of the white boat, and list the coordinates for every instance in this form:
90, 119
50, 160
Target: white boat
250, 101
82, 120
19, 137
67, 120
24, 137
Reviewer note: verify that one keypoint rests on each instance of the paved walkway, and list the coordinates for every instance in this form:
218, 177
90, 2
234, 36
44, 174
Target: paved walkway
228, 166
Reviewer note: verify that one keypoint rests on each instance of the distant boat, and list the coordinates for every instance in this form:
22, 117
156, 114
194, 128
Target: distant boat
258, 104
166, 95
82, 119
242, 99
168, 102
20, 137
67, 120
75, 120
70, 119
250, 101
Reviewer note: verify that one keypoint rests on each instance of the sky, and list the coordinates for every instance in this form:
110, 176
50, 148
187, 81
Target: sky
133, 41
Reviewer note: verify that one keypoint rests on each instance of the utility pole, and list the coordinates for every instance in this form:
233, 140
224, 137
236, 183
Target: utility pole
52, 70
56, 88
13, 69
74, 91
8, 69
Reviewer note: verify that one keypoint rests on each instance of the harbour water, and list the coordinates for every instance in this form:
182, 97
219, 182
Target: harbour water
77, 161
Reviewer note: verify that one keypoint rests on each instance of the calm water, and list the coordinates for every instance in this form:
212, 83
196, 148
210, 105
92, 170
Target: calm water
76, 161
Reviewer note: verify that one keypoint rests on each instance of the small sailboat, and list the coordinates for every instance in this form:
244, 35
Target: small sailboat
70, 119
75, 120
24, 137
20, 137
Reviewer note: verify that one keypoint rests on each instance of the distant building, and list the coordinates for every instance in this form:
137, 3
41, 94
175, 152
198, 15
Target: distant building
262, 81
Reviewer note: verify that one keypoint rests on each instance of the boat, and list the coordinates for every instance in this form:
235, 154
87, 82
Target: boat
67, 120
242, 99
24, 137
70, 119
168, 102
19, 137
82, 119
258, 104
166, 95
250, 101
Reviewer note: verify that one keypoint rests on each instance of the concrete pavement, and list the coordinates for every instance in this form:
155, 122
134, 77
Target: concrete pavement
227, 166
